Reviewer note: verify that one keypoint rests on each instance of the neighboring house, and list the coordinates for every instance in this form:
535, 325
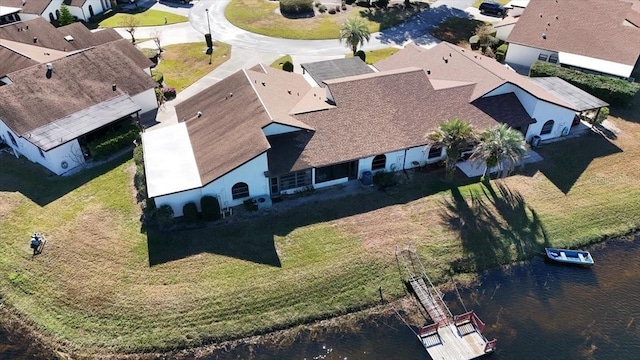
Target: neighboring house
50, 9
595, 36
263, 132
55, 100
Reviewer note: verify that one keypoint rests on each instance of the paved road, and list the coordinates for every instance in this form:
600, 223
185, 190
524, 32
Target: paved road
416, 29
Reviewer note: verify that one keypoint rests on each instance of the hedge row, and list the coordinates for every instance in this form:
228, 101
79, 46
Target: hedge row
112, 142
612, 90
296, 6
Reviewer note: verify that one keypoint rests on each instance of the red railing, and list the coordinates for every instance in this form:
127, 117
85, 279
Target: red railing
490, 346
473, 318
428, 330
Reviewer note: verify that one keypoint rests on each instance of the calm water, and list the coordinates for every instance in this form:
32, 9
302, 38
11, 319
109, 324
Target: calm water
537, 311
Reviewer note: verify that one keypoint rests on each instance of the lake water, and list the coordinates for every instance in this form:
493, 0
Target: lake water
538, 310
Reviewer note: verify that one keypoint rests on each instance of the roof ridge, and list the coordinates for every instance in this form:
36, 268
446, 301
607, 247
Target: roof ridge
264, 106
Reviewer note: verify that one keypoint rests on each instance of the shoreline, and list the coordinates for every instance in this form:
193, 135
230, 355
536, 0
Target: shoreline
44, 344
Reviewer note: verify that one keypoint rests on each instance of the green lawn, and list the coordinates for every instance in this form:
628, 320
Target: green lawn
184, 64
277, 64
478, 2
373, 56
101, 285
147, 18
260, 17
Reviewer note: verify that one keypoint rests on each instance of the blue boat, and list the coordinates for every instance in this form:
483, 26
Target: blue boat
576, 257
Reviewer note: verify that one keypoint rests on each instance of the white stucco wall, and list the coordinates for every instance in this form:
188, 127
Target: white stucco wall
97, 8
395, 162
52, 160
544, 111
416, 154
178, 200
251, 173
275, 129
146, 100
524, 55
51, 8
25, 17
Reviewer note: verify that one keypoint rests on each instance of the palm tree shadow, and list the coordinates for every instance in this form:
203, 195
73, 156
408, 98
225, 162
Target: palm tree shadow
495, 227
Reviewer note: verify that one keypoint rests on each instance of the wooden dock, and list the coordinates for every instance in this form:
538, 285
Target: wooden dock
448, 337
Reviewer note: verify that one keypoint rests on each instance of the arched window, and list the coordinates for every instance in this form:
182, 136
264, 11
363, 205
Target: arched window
57, 14
379, 162
91, 11
547, 128
51, 18
240, 190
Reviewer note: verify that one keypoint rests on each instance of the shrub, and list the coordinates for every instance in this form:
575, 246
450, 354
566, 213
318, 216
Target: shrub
344, 7
383, 178
151, 54
362, 55
502, 52
332, 11
337, 8
322, 8
296, 6
164, 216
488, 52
612, 90
250, 205
317, 3
210, 208
190, 212
169, 93
139, 179
114, 141
602, 116
287, 66
157, 76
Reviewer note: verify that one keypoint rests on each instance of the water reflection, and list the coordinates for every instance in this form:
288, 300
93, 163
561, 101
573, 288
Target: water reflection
538, 310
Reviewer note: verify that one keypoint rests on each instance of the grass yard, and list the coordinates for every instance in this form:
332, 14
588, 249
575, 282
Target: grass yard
184, 64
101, 285
147, 18
259, 16
457, 30
478, 2
373, 56
277, 63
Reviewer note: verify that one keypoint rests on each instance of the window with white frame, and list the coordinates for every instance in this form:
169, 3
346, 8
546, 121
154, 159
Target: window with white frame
547, 127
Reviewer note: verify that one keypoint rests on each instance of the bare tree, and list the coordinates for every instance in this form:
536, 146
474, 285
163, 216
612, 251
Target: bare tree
156, 36
130, 23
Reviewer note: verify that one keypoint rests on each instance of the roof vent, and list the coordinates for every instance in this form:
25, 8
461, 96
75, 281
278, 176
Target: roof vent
544, 36
114, 87
428, 71
199, 113
49, 66
68, 38
556, 17
24, 2
289, 92
264, 83
230, 94
540, 14
35, 39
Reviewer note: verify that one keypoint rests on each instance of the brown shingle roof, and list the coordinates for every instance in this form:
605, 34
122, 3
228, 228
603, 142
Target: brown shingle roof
505, 108
234, 111
592, 28
229, 132
465, 66
29, 7
78, 81
11, 61
383, 112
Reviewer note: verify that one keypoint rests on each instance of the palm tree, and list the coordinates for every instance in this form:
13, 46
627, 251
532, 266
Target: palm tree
354, 32
499, 146
454, 135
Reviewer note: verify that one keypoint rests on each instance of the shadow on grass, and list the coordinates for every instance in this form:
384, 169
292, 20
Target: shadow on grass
495, 227
566, 160
417, 28
42, 186
254, 239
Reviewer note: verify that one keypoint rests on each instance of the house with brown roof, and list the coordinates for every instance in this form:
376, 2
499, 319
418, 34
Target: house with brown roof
596, 36
18, 10
56, 99
263, 132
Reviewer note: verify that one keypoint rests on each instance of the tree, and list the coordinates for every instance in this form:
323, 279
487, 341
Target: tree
130, 23
354, 32
65, 16
454, 136
499, 146
156, 36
